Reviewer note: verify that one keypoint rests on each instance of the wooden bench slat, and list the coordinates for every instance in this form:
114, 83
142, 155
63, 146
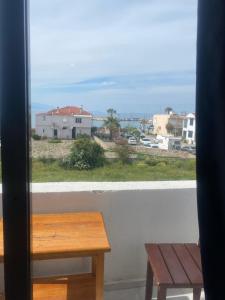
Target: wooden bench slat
174, 266
159, 267
194, 250
189, 265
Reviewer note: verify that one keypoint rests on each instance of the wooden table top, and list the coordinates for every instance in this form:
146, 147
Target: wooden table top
66, 235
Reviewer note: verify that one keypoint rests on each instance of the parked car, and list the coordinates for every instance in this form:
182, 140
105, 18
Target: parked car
145, 141
132, 141
156, 146
190, 149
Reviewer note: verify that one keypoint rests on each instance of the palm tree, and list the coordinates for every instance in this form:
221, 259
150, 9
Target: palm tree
112, 122
168, 110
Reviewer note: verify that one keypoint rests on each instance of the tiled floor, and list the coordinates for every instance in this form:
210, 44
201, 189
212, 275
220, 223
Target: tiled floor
139, 294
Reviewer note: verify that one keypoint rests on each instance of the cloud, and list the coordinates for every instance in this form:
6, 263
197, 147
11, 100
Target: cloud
75, 44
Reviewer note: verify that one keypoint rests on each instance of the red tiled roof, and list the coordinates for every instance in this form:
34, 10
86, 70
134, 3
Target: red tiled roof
68, 111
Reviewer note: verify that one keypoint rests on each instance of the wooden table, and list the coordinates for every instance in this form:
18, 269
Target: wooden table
68, 235
173, 266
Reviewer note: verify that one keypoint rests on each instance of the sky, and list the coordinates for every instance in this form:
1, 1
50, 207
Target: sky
137, 56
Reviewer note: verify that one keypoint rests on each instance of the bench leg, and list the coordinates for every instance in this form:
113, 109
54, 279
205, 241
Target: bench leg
149, 283
161, 293
196, 293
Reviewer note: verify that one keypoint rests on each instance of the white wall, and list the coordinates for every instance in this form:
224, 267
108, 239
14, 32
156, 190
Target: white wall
140, 213
44, 121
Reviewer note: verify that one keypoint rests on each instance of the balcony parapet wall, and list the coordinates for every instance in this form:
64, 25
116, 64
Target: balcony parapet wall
134, 213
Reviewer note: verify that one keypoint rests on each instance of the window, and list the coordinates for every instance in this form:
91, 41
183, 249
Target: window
78, 120
191, 122
190, 134
109, 89
43, 118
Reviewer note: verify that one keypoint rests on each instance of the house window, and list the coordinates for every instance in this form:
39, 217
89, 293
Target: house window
78, 120
191, 122
185, 123
190, 134
64, 127
43, 131
43, 118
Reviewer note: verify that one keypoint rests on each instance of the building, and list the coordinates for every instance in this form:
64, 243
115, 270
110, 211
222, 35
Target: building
189, 125
64, 123
167, 124
169, 142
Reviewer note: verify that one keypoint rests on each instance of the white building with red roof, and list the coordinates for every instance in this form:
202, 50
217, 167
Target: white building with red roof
64, 123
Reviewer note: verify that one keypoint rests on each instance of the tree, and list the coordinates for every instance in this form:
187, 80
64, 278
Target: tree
143, 122
133, 131
112, 122
170, 128
168, 110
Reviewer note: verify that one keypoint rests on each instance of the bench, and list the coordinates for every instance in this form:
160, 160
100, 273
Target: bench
173, 266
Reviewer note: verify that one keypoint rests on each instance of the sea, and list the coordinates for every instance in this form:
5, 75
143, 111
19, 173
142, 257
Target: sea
123, 124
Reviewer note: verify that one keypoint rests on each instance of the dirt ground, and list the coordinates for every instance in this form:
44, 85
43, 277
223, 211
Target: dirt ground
45, 149
145, 150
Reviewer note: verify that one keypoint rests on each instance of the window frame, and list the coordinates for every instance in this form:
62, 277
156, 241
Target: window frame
15, 148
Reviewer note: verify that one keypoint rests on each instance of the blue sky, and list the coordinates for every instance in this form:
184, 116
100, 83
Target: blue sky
132, 55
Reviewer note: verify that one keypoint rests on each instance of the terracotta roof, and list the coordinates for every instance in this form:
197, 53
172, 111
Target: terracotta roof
68, 111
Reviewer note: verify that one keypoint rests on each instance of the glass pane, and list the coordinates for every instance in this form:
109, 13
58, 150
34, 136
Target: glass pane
113, 95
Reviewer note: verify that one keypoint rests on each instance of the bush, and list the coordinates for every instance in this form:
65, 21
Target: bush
155, 161
85, 155
47, 159
123, 152
36, 137
55, 141
83, 136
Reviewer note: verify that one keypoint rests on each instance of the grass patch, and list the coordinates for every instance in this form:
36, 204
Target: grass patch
140, 170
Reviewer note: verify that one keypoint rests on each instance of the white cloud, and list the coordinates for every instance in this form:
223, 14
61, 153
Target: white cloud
74, 40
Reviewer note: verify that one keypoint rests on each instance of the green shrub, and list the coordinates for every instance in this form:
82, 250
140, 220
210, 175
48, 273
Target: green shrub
123, 152
36, 137
55, 141
85, 155
83, 136
47, 159
155, 161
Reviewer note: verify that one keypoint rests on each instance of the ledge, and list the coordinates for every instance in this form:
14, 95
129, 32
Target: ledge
63, 187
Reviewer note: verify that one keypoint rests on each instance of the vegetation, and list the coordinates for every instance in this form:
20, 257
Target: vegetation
55, 141
145, 168
112, 123
170, 128
133, 131
85, 155
36, 137
123, 152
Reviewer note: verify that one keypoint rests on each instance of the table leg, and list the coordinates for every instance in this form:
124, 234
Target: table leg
196, 293
149, 282
161, 293
99, 277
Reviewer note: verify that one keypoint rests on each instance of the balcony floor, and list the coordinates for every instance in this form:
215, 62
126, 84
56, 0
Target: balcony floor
139, 294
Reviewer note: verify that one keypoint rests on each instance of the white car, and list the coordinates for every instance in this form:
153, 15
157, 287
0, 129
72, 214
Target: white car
132, 141
145, 141
155, 146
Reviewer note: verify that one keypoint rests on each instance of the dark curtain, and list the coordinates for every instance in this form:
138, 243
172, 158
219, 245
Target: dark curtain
211, 144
